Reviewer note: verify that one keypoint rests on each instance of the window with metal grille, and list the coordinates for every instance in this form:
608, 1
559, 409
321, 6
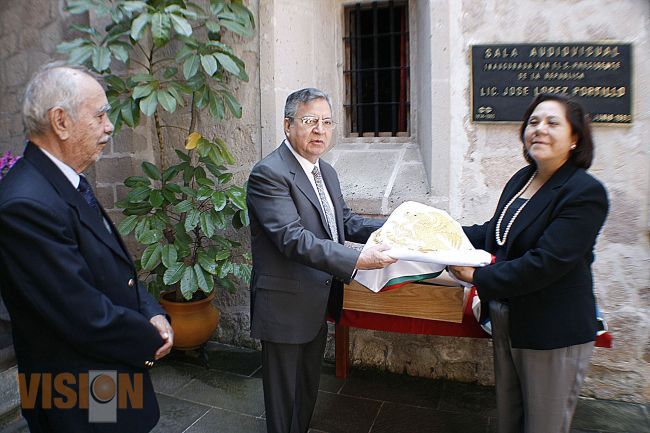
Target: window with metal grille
377, 69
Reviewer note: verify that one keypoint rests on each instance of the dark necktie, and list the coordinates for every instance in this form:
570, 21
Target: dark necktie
327, 209
87, 193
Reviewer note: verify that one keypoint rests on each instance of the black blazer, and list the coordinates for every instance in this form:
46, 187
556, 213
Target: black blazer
70, 288
297, 269
547, 274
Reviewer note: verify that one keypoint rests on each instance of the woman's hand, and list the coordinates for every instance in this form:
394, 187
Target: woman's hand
463, 273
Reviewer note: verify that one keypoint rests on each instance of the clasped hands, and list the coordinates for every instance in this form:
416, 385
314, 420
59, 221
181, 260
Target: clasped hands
166, 332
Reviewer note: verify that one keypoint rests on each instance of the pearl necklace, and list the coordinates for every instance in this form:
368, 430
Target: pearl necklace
502, 242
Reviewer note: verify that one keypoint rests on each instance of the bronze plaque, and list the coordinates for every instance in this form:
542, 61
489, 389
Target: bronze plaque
506, 77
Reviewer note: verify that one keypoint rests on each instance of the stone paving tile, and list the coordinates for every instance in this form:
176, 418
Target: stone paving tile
467, 397
223, 421
234, 359
392, 387
328, 380
399, 418
610, 416
177, 415
337, 413
226, 391
170, 377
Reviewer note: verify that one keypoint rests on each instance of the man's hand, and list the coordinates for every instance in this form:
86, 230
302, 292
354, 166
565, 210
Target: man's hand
463, 273
374, 258
166, 332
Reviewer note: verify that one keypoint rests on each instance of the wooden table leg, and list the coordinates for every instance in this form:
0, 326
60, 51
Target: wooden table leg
342, 350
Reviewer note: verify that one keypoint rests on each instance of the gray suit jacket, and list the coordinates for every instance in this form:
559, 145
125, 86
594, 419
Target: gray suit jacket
295, 263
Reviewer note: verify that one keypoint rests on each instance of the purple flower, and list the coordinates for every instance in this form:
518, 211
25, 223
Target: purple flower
6, 162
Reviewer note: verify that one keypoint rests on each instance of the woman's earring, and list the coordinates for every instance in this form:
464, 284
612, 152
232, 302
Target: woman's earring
573, 146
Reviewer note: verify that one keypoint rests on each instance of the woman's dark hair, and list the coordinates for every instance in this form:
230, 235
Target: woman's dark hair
583, 154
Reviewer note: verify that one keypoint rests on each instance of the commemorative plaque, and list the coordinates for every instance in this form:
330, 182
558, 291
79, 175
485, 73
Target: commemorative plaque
506, 77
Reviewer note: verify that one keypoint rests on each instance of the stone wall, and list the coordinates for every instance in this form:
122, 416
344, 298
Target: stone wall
29, 33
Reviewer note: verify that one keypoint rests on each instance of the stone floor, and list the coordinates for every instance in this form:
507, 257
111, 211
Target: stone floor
227, 398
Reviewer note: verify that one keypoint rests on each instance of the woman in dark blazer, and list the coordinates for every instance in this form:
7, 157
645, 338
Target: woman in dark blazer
539, 292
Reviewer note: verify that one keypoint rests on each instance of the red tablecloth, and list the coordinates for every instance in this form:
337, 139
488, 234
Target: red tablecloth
408, 325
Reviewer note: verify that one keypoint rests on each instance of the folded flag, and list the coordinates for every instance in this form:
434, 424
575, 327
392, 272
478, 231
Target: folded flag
424, 240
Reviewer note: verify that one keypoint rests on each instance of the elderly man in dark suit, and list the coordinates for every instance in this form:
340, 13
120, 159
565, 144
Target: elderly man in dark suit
76, 307
299, 222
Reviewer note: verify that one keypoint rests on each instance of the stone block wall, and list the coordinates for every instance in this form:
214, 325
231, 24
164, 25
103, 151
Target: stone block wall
29, 33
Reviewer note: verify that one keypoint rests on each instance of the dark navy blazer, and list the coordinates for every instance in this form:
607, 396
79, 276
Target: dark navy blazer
546, 276
70, 288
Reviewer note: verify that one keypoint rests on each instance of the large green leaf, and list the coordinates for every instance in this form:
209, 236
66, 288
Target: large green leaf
184, 206
151, 257
237, 196
182, 155
149, 237
138, 194
209, 64
161, 27
202, 280
148, 105
133, 6
65, 47
227, 63
143, 225
169, 255
219, 220
207, 262
134, 181
166, 100
120, 52
181, 25
204, 193
126, 111
156, 198
151, 170
189, 285
192, 219
176, 189
236, 27
174, 273
80, 54
142, 91
222, 255
138, 26
216, 107
225, 269
232, 104
219, 200
127, 225
169, 173
207, 226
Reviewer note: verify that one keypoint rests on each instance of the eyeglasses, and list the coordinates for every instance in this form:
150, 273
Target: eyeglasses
312, 121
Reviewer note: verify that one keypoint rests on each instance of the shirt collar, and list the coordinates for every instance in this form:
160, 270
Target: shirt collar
304, 162
67, 171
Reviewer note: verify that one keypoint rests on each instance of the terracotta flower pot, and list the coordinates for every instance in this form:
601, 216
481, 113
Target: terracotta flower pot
193, 322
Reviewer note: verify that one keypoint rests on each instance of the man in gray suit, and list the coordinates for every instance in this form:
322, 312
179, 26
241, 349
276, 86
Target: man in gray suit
299, 222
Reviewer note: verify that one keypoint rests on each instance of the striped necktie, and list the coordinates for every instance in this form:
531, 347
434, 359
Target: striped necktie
327, 209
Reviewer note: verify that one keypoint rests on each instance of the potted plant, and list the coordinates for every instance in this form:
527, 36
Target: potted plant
183, 212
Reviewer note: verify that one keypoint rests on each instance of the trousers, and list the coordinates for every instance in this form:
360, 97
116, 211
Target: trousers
537, 390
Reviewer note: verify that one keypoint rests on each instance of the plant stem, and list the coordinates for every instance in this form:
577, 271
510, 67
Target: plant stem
193, 114
161, 142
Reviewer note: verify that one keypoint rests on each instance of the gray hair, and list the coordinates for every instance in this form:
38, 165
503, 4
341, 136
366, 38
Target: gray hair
303, 96
54, 85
